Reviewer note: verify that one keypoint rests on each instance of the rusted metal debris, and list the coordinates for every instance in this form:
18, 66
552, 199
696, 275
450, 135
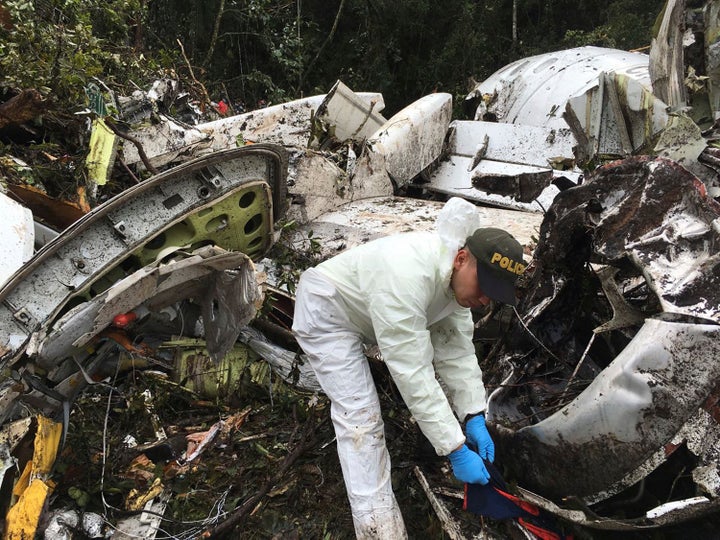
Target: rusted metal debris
25, 106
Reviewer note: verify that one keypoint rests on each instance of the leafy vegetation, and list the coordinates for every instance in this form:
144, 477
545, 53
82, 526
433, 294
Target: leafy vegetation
253, 50
59, 46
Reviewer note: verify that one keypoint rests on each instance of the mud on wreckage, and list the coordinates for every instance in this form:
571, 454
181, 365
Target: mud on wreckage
610, 405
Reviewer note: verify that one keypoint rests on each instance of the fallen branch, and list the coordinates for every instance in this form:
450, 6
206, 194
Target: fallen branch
236, 517
27, 105
192, 74
141, 151
451, 527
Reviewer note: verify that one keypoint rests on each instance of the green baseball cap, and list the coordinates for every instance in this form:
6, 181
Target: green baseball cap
499, 262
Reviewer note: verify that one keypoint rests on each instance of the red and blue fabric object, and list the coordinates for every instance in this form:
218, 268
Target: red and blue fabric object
494, 501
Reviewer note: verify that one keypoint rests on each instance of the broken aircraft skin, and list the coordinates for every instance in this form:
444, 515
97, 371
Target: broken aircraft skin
229, 199
614, 367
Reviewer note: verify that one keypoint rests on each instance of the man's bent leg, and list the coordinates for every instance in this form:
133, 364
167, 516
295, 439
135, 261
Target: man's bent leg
365, 463
342, 369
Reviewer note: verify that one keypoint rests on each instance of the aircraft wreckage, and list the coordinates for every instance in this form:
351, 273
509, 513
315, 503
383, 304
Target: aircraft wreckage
609, 366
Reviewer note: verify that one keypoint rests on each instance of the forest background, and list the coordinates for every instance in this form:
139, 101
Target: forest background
251, 53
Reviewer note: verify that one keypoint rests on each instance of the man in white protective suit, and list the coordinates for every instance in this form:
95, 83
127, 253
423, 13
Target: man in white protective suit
411, 294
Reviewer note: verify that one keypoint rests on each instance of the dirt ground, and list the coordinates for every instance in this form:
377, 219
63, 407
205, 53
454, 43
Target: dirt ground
277, 467
271, 472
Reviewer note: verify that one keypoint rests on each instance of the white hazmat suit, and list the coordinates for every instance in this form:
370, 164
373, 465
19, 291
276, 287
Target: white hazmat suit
394, 291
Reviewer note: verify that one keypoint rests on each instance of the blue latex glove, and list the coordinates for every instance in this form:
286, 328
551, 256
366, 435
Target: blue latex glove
468, 466
478, 437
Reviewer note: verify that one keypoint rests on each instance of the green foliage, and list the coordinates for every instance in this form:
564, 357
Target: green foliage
292, 254
259, 52
254, 51
628, 25
59, 46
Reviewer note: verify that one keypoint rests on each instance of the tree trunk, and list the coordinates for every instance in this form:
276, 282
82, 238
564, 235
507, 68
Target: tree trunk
21, 108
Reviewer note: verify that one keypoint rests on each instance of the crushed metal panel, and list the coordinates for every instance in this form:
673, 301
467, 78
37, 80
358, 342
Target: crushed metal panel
534, 90
510, 143
649, 212
653, 402
97, 243
665, 514
614, 118
155, 287
674, 235
634, 406
682, 141
409, 141
524, 186
10, 436
286, 124
18, 237
684, 61
454, 177
360, 221
346, 116
667, 64
163, 143
319, 186
489, 155
295, 370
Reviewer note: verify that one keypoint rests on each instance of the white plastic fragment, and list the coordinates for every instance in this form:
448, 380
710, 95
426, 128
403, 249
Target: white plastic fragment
18, 236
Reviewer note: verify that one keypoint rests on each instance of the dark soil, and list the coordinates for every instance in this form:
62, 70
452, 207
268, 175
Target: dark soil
245, 467
274, 476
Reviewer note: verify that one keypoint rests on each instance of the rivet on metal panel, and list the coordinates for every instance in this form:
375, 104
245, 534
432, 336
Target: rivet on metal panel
120, 229
25, 318
79, 264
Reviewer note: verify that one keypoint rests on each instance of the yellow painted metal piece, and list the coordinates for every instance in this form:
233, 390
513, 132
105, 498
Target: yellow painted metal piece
34, 486
22, 519
47, 442
24, 481
137, 499
197, 372
103, 148
240, 221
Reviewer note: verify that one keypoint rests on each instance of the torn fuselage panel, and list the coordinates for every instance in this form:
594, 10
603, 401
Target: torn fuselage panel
534, 90
132, 221
506, 165
614, 400
634, 406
